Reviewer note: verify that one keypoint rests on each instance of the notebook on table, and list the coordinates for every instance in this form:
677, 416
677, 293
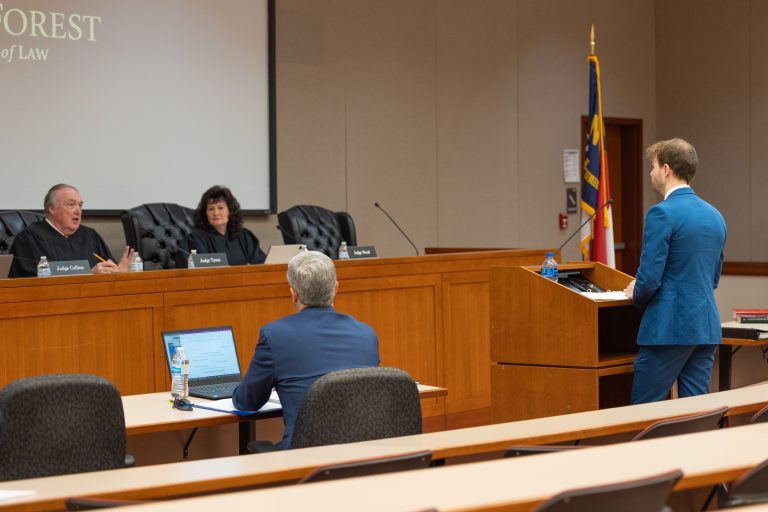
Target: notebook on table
214, 370
5, 265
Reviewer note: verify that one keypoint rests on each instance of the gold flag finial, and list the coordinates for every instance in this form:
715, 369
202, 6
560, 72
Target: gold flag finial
592, 40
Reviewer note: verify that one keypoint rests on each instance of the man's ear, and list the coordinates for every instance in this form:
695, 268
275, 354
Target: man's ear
294, 295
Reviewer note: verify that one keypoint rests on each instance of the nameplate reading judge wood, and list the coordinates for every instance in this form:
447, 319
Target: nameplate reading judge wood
361, 251
70, 268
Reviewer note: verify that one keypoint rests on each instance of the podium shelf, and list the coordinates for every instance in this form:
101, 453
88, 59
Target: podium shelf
616, 359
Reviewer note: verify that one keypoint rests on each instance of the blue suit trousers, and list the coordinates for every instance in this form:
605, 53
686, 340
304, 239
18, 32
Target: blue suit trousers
657, 367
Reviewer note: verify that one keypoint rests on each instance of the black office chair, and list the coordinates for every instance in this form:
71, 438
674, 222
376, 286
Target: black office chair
749, 489
78, 503
643, 495
13, 222
418, 460
359, 404
688, 424
318, 228
156, 230
60, 424
760, 416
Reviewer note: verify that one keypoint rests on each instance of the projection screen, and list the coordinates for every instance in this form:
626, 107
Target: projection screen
137, 101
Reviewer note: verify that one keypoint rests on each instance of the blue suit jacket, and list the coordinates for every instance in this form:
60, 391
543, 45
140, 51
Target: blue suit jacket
295, 351
680, 266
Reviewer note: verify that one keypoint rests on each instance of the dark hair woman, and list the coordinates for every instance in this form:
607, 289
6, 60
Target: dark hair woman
219, 228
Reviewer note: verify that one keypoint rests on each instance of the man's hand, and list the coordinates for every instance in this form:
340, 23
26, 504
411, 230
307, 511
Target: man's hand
104, 267
630, 289
125, 259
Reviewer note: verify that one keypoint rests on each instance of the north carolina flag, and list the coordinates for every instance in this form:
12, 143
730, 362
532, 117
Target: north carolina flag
596, 236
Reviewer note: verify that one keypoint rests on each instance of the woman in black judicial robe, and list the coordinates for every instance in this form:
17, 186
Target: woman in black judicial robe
219, 228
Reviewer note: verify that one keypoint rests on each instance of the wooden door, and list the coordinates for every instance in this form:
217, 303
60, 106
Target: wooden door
624, 144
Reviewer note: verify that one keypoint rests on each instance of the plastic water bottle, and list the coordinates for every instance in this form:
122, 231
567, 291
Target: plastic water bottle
43, 267
343, 252
137, 265
549, 267
180, 374
191, 260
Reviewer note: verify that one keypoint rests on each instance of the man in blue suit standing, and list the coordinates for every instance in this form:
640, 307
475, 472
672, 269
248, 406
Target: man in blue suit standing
295, 351
680, 266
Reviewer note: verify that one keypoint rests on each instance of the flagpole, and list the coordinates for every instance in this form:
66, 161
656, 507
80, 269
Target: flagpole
592, 40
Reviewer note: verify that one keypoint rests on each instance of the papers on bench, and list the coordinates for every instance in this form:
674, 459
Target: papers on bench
605, 295
226, 405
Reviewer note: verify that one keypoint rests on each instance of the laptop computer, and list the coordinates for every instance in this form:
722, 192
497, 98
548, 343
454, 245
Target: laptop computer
214, 371
283, 253
5, 265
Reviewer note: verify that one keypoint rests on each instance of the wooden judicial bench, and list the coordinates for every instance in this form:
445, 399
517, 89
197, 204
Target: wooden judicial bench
431, 314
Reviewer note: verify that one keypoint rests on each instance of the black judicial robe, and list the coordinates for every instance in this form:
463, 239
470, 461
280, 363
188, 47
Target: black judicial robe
242, 250
41, 239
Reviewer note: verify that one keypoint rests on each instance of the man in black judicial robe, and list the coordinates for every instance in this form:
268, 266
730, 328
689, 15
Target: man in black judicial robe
61, 237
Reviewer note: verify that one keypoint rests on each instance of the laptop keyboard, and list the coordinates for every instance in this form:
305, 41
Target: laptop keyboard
225, 388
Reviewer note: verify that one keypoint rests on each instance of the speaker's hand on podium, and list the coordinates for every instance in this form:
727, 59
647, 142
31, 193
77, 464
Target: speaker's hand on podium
630, 289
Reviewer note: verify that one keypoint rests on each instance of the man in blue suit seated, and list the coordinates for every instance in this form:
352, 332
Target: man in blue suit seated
680, 266
295, 351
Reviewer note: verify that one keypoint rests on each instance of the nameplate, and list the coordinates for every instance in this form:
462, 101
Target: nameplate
70, 268
357, 252
211, 259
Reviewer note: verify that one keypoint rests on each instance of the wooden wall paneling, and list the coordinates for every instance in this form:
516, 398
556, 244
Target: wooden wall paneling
105, 336
467, 347
246, 309
406, 313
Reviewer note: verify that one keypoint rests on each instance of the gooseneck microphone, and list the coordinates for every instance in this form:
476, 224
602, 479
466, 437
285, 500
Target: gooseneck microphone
610, 201
289, 235
170, 243
377, 205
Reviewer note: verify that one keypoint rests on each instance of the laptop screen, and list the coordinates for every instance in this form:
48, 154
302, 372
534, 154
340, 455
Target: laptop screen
211, 351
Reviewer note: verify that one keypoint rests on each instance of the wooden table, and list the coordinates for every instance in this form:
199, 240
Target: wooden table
152, 412
725, 354
515, 484
231, 473
431, 314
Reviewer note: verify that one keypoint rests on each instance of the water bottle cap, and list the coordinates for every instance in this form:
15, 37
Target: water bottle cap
550, 255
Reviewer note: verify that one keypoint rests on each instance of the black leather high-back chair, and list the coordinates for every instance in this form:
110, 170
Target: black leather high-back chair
13, 222
156, 230
318, 228
359, 404
642, 495
60, 424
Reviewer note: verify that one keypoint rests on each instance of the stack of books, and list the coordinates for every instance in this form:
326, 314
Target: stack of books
750, 316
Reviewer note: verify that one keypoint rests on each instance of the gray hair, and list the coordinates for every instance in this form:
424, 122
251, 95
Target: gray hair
312, 275
48, 201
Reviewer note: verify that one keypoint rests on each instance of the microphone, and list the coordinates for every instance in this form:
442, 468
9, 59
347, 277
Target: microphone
170, 243
610, 201
377, 205
286, 233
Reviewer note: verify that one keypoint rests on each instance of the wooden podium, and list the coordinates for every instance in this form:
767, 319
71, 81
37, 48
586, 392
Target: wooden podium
554, 351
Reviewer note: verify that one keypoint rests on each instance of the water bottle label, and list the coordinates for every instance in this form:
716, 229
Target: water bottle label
137, 267
176, 369
549, 272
